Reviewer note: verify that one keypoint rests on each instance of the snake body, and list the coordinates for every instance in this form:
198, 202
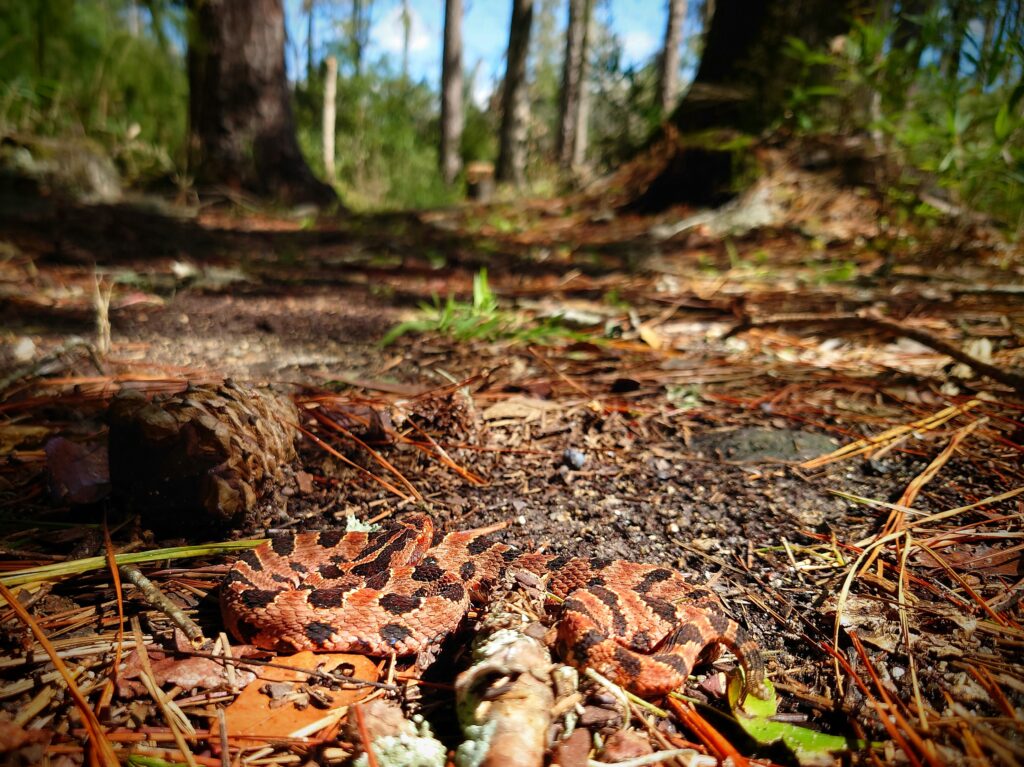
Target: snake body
401, 591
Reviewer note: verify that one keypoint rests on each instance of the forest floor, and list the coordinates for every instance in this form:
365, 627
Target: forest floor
767, 407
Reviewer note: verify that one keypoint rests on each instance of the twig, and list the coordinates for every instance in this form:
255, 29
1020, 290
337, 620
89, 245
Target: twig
364, 735
708, 735
149, 681
348, 461
867, 444
642, 761
101, 304
115, 576
159, 601
850, 320
323, 418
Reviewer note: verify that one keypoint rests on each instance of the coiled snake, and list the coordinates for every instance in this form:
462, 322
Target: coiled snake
392, 591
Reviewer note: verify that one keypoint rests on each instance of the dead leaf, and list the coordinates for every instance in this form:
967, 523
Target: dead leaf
188, 673
573, 751
624, 745
253, 719
78, 470
305, 482
651, 337
518, 408
12, 435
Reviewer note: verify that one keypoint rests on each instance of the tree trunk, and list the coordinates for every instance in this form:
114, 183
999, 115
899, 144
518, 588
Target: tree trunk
744, 76
406, 17
330, 113
741, 86
451, 93
241, 128
581, 133
959, 15
668, 70
514, 102
357, 46
571, 82
310, 59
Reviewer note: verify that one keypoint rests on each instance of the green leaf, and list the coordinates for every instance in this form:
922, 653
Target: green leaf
823, 90
1002, 127
755, 716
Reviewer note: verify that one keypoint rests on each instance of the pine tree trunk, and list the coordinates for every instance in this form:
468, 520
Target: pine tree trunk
358, 36
744, 76
668, 71
330, 113
581, 133
241, 129
959, 15
740, 87
406, 16
451, 93
310, 42
515, 104
571, 83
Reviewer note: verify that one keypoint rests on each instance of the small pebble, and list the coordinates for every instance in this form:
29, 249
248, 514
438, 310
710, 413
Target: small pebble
24, 349
574, 458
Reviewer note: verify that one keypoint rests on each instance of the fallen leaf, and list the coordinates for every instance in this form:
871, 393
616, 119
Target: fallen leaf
188, 673
12, 435
78, 470
624, 745
518, 408
651, 337
251, 720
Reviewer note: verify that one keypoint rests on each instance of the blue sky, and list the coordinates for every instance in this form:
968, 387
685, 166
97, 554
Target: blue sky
639, 25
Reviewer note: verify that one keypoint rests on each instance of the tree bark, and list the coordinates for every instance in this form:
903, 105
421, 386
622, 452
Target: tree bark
360, 31
515, 104
310, 23
240, 119
406, 16
571, 83
743, 77
668, 70
451, 93
581, 133
959, 16
330, 113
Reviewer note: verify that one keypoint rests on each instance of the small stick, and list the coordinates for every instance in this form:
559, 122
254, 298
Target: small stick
158, 600
364, 735
869, 319
173, 715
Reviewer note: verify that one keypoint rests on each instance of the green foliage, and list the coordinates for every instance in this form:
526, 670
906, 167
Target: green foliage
757, 718
386, 138
625, 112
102, 68
479, 134
947, 100
481, 319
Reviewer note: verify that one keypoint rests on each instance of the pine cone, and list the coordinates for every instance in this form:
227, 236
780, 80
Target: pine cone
213, 449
